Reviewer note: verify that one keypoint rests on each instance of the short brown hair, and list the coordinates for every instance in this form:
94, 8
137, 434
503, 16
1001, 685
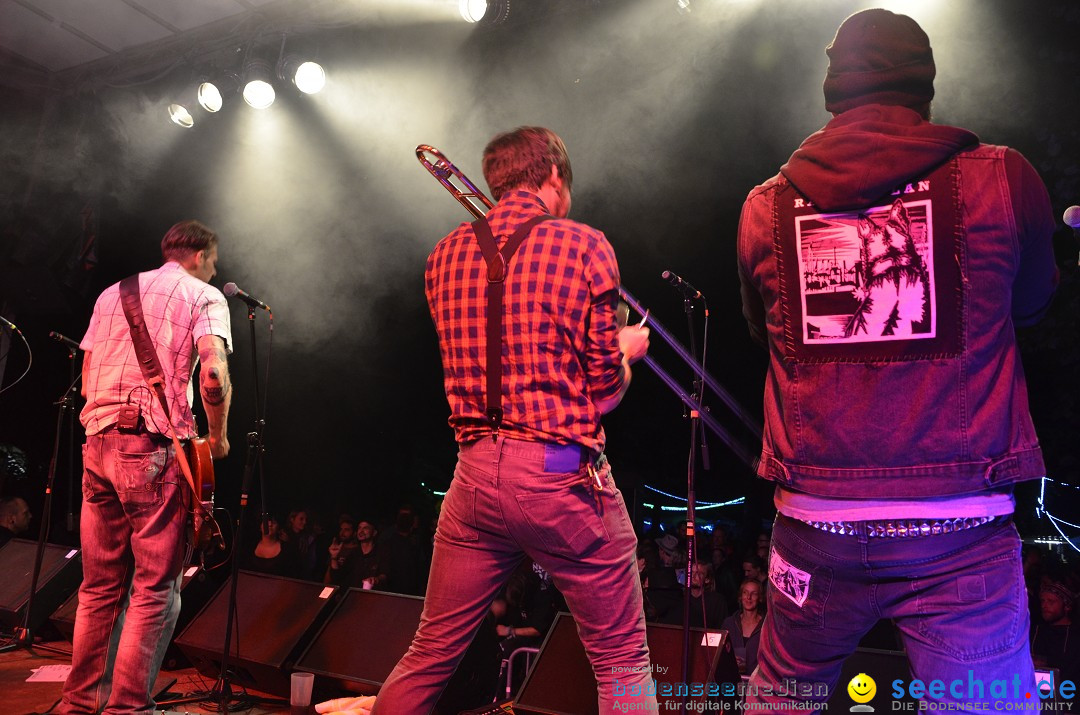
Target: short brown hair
523, 158
186, 238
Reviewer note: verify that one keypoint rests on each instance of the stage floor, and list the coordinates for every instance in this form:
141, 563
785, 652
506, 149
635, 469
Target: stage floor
23, 698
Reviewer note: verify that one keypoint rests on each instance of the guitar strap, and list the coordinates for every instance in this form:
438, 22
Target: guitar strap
147, 357
497, 261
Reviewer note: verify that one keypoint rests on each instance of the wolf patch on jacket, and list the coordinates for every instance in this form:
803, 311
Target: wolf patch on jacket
878, 283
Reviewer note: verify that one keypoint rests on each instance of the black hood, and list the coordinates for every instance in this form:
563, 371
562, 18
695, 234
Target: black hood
867, 152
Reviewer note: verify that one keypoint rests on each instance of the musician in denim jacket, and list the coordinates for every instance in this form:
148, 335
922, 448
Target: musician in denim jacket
885, 268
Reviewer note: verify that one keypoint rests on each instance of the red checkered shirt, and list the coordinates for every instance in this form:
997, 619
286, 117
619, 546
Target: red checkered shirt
179, 309
560, 340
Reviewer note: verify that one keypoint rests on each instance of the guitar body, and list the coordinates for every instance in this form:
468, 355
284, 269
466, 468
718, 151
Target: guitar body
201, 463
202, 467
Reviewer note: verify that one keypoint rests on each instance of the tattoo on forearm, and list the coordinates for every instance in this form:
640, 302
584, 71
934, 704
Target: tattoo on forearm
217, 387
214, 354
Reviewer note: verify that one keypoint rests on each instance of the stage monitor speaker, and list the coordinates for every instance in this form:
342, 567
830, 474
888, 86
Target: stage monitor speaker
368, 632
196, 588
63, 618
561, 680
61, 572
276, 617
363, 639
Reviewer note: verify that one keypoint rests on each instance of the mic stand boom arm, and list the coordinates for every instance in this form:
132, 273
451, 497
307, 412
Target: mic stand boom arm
701, 372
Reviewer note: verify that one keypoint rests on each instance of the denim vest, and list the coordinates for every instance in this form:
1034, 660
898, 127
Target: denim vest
893, 369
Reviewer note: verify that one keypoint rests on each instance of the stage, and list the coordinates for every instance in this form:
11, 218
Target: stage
23, 698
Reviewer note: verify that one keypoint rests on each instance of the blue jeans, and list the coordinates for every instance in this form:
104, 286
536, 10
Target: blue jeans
958, 600
133, 535
510, 499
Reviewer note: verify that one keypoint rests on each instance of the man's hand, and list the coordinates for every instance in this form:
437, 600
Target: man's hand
346, 706
634, 342
219, 446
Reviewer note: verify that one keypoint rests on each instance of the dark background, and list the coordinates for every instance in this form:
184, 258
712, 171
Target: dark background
670, 119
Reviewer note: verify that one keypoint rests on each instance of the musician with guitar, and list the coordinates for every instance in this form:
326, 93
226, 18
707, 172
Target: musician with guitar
137, 488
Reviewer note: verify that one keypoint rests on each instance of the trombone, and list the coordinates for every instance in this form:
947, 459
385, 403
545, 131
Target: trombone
476, 203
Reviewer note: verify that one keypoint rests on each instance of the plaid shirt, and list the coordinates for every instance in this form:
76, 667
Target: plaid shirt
560, 339
179, 309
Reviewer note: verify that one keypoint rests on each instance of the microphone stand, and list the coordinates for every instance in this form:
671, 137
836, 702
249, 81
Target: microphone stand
221, 695
691, 546
24, 636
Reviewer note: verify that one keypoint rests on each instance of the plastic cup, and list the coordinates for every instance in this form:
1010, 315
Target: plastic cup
301, 689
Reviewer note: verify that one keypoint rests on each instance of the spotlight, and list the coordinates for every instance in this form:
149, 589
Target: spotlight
682, 6
180, 116
258, 90
485, 12
209, 96
309, 77
472, 10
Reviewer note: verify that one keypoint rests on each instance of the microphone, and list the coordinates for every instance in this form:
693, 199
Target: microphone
64, 339
1072, 217
232, 291
689, 291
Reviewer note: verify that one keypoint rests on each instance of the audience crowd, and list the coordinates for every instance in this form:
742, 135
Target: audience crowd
728, 582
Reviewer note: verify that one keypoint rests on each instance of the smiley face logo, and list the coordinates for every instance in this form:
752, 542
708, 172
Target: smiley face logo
862, 688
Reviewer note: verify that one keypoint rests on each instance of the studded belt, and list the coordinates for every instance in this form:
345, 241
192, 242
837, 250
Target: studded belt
895, 528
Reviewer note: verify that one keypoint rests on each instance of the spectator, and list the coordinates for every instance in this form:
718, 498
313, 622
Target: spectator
755, 567
341, 552
531, 602
269, 555
1053, 644
403, 555
647, 558
662, 596
744, 626
362, 569
15, 518
726, 570
668, 546
763, 542
299, 544
367, 572
707, 607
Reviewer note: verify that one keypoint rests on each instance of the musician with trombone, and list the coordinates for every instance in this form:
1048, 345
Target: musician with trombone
524, 303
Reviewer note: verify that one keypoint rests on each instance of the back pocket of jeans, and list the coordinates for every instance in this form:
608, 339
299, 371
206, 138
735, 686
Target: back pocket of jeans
457, 521
798, 589
139, 474
565, 522
975, 615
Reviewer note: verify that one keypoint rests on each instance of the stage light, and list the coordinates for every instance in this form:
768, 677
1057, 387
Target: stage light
180, 116
309, 77
209, 96
258, 90
485, 12
682, 6
472, 10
